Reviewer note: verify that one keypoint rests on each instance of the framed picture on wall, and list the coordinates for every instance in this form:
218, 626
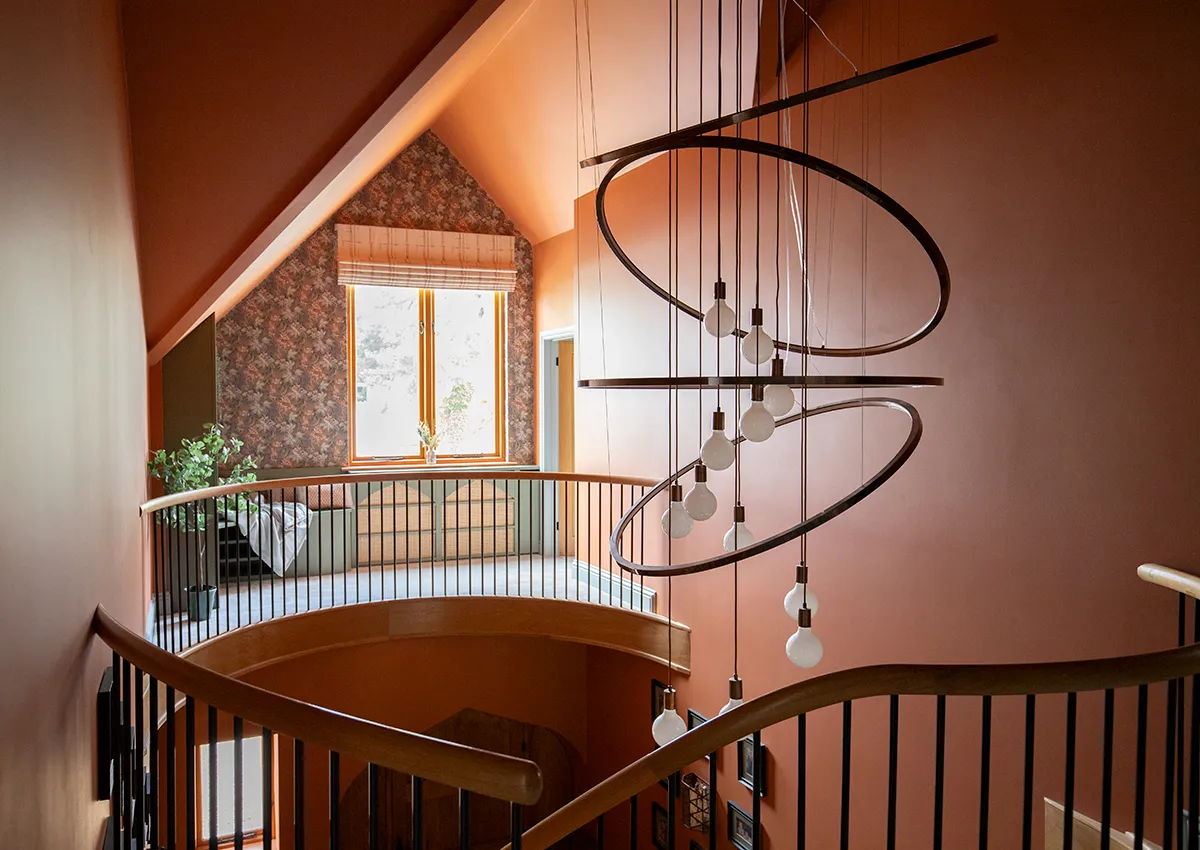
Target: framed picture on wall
658, 826
749, 760
658, 692
694, 719
741, 827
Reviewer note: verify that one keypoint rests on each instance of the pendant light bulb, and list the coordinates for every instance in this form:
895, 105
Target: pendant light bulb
720, 319
717, 452
676, 522
668, 725
735, 696
757, 422
804, 648
778, 399
757, 346
738, 536
800, 596
700, 502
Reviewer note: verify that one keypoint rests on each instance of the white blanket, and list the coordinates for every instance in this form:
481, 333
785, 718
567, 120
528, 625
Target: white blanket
276, 532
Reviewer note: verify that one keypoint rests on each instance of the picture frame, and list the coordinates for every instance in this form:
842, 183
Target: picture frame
741, 827
658, 693
747, 760
694, 719
659, 826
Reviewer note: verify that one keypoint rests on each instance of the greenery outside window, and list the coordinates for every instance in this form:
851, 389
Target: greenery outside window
425, 355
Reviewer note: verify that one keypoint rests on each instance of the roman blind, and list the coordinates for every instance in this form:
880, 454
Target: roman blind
425, 259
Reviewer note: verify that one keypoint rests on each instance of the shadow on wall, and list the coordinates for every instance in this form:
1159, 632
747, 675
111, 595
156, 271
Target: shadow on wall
489, 818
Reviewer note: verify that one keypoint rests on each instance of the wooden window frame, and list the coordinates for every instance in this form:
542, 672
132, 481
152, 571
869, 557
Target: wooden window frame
252, 838
427, 391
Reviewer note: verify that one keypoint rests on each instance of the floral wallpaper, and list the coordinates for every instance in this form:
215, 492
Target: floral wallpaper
282, 352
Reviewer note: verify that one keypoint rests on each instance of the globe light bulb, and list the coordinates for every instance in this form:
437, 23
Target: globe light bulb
668, 725
757, 422
757, 346
700, 502
738, 536
800, 596
804, 648
778, 399
720, 318
735, 696
717, 452
676, 522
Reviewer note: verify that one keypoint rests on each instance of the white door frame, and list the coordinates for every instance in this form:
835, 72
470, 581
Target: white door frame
548, 394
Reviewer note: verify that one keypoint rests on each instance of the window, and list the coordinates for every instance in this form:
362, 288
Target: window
426, 355
252, 783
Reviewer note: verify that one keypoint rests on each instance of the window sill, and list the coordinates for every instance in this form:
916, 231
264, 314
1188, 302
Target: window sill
435, 467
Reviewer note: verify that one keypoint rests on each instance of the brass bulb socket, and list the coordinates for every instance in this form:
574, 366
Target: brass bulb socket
735, 687
676, 491
701, 473
739, 513
719, 289
756, 316
669, 699
718, 420
804, 620
801, 574
756, 392
777, 367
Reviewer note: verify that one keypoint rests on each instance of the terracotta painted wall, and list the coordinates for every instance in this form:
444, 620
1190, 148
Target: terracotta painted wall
1057, 173
73, 419
281, 352
234, 107
553, 296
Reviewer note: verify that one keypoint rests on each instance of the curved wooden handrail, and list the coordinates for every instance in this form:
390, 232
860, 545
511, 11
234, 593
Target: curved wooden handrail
388, 475
479, 771
1172, 579
881, 680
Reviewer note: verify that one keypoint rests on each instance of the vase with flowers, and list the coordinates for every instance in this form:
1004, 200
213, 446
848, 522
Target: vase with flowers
429, 439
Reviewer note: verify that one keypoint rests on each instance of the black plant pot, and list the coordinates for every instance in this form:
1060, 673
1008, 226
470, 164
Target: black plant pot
201, 599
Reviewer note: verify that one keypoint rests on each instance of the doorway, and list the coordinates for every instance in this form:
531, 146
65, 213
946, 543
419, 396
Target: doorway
558, 438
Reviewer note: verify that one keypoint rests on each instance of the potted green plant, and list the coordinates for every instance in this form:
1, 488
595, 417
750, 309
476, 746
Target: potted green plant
429, 439
194, 465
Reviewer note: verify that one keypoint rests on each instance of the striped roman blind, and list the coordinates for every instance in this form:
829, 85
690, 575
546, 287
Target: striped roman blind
425, 259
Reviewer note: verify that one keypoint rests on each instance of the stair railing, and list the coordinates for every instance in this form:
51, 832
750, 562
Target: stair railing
230, 556
162, 708
617, 805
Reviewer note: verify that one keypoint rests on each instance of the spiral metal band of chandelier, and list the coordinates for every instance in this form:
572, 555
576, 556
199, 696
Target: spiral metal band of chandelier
841, 175
815, 521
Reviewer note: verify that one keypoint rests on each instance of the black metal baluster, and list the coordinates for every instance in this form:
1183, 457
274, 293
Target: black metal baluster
495, 531
756, 791
1027, 796
116, 734
712, 801
1194, 769
396, 541
589, 539
1181, 699
171, 801
939, 772
268, 786
801, 783
212, 778
847, 710
408, 541
464, 819
373, 806
139, 791
985, 771
599, 829
1106, 770
335, 798
189, 779
517, 829
262, 580
1069, 791
672, 792
633, 824
271, 572
1139, 794
152, 803
893, 765
298, 793
418, 805
127, 779
238, 837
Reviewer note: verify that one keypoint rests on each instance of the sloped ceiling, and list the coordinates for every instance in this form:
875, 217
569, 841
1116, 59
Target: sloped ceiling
235, 107
516, 125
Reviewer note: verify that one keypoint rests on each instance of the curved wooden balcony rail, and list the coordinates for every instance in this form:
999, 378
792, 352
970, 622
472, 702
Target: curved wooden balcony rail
386, 476
876, 681
491, 774
235, 555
